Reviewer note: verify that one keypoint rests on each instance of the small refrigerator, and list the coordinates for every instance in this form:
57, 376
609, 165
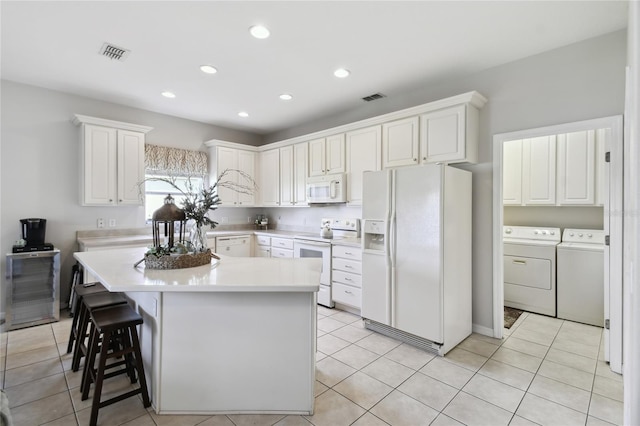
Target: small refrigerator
32, 289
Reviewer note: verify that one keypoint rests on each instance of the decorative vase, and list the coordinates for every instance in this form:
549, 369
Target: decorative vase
198, 239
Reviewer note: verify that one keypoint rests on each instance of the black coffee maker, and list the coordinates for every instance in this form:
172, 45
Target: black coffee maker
33, 233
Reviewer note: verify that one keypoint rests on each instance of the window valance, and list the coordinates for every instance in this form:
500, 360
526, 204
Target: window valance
175, 161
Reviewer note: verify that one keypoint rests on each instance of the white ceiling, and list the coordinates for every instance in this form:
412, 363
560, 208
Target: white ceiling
389, 47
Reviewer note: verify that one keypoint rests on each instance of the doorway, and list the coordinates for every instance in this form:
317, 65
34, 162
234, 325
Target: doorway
611, 127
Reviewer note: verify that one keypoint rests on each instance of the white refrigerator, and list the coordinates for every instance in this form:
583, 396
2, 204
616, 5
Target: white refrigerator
416, 260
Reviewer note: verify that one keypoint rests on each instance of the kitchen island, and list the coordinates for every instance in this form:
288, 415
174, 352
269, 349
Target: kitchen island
236, 336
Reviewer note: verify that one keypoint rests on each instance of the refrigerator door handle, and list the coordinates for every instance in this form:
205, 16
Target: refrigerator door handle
391, 232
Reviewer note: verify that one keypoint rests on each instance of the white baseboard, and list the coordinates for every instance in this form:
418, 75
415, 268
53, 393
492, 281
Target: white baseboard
481, 329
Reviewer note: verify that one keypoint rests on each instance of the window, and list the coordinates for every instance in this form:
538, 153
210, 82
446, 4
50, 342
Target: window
155, 191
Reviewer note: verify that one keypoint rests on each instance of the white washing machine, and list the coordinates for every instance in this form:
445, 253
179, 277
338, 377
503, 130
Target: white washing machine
530, 268
581, 276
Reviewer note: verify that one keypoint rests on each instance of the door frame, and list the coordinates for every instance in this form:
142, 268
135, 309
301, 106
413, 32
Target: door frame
614, 216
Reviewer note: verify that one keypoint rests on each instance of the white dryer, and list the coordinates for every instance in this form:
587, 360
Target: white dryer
530, 268
581, 276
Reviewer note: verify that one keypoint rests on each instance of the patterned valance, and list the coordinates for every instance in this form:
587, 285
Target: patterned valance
175, 161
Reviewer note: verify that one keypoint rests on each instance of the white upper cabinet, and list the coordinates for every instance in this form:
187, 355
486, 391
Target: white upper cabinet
364, 148
234, 160
270, 177
603, 136
539, 170
326, 155
400, 142
576, 168
300, 173
293, 175
112, 162
512, 173
449, 135
286, 176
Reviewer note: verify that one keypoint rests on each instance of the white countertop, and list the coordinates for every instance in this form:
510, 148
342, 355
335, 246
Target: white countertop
147, 240
114, 269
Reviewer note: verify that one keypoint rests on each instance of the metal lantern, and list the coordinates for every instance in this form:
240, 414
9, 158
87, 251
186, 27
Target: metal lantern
167, 216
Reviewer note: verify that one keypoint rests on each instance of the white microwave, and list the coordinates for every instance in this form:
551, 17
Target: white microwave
327, 189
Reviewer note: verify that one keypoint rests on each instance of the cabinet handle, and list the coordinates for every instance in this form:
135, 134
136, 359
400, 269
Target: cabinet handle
424, 158
348, 253
348, 266
239, 202
415, 159
348, 291
347, 279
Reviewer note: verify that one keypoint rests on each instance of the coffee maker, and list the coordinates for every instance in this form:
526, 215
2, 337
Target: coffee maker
33, 233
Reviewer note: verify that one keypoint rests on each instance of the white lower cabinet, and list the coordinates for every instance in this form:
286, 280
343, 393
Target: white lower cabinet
346, 276
282, 247
263, 246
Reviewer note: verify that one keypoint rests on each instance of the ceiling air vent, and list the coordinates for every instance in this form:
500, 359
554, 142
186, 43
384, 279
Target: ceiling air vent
114, 52
373, 97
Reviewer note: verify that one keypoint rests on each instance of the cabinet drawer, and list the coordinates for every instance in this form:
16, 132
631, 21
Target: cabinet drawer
263, 241
286, 243
347, 278
352, 266
278, 252
354, 253
347, 295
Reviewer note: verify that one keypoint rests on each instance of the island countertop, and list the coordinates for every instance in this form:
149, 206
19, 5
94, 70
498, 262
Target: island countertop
114, 269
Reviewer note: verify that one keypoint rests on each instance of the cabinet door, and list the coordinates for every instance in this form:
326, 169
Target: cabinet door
286, 176
99, 162
400, 143
270, 177
539, 170
512, 173
443, 135
334, 154
576, 168
227, 159
603, 136
246, 164
316, 157
364, 148
300, 163
130, 167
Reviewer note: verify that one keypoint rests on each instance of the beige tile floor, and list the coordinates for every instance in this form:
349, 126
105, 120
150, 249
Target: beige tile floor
545, 371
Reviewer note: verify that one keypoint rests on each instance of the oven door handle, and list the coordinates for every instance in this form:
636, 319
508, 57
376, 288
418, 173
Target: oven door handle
312, 243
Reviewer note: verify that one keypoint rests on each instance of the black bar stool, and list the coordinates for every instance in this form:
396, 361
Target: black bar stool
113, 328
90, 303
79, 292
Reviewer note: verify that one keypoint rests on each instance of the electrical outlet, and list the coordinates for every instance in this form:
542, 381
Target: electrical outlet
224, 219
100, 223
249, 219
112, 223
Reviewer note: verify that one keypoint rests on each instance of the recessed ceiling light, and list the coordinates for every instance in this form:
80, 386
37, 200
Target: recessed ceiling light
168, 94
243, 114
259, 31
209, 69
286, 97
341, 73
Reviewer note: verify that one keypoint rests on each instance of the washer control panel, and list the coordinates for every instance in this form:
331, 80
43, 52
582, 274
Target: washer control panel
586, 236
531, 233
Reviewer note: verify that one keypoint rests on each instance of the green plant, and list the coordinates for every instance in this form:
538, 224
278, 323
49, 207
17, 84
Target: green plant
199, 201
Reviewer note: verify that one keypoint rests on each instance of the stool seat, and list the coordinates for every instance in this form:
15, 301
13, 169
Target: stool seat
115, 317
79, 292
113, 335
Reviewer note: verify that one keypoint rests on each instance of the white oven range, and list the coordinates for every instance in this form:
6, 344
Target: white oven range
309, 245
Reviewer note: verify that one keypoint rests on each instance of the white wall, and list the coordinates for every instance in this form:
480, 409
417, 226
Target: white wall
577, 82
39, 162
